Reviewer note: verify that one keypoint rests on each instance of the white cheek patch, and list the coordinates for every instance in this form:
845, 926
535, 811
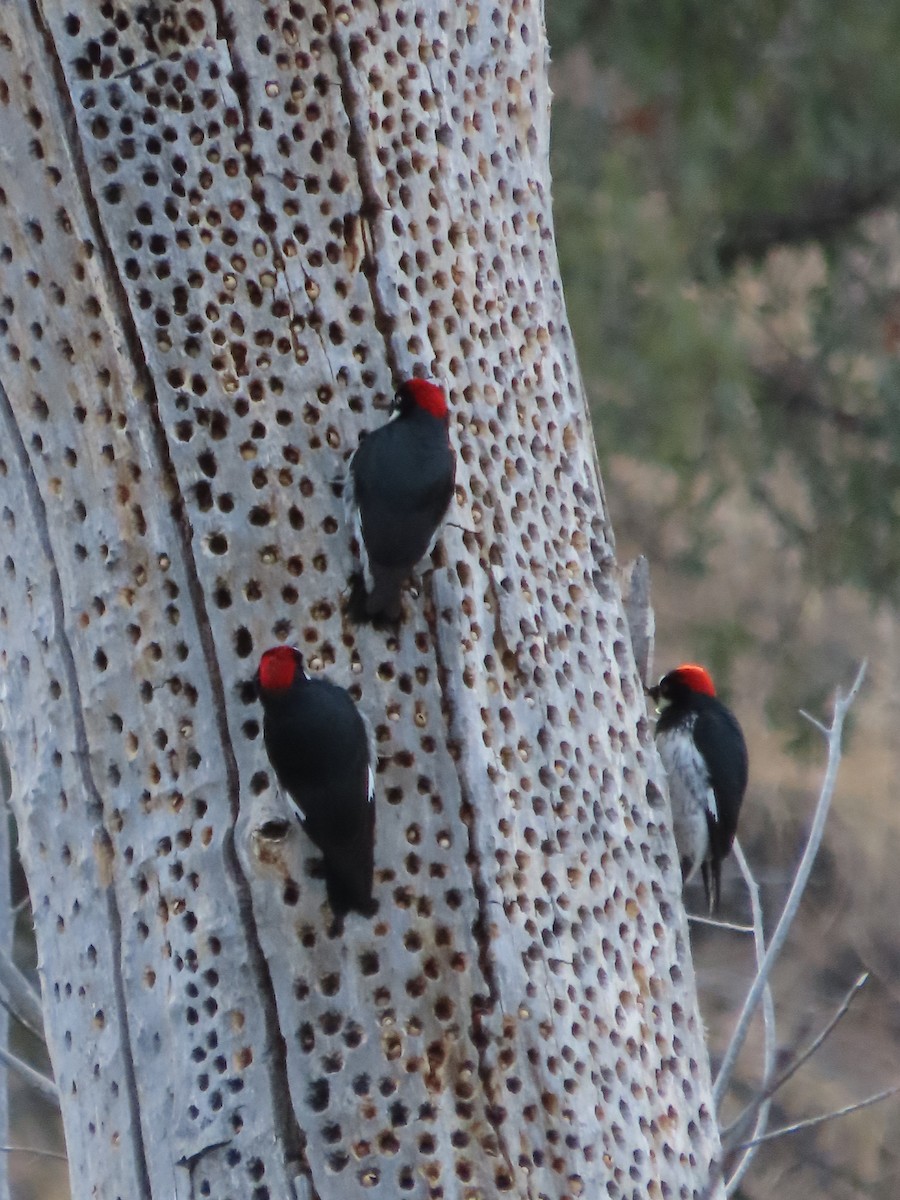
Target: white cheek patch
371, 777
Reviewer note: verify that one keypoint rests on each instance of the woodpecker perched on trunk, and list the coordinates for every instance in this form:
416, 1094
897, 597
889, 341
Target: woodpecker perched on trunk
319, 747
703, 751
399, 487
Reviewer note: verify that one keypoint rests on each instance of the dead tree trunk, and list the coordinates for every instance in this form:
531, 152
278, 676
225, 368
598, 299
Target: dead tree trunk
225, 229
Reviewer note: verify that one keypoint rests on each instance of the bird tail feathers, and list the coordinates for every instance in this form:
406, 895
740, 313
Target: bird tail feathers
383, 604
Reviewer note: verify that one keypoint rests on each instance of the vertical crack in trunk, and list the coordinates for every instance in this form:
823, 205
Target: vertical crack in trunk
372, 214
66, 661
282, 1106
373, 206
239, 80
481, 1006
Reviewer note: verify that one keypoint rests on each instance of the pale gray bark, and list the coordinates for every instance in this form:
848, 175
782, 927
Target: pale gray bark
225, 229
7, 925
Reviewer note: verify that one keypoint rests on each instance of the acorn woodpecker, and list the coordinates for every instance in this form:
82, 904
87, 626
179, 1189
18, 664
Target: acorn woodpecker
319, 746
399, 487
705, 757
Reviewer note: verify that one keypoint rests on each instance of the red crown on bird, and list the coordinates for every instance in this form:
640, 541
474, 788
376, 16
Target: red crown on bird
278, 668
697, 678
425, 395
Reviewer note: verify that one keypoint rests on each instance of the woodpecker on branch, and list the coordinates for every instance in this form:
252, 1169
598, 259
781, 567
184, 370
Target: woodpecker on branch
319, 746
399, 487
705, 757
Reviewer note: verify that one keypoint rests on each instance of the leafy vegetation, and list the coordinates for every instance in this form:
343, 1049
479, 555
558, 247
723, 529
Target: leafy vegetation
724, 180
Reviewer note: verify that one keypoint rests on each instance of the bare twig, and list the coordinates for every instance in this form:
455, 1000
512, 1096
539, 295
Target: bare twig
769, 1032
33, 1150
731, 926
44, 1087
811, 1122
814, 721
801, 1058
842, 705
817, 1041
19, 997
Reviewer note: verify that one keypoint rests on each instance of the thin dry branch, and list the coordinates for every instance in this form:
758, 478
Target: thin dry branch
19, 998
770, 1038
33, 1150
801, 1058
39, 1083
811, 1122
731, 926
815, 722
842, 705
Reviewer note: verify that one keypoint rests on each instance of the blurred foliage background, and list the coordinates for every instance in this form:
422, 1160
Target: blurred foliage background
727, 203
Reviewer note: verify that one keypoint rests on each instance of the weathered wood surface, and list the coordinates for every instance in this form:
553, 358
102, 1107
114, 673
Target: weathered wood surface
225, 230
7, 937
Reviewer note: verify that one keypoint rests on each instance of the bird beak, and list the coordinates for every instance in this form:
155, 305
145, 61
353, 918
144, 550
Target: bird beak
660, 703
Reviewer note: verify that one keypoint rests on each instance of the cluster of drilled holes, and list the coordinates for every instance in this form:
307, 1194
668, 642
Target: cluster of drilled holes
66, 993
218, 1067
217, 541
177, 756
106, 55
330, 1038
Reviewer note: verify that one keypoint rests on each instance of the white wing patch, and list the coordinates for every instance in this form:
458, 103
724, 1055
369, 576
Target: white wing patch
690, 795
351, 512
350, 491
373, 754
711, 806
289, 799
